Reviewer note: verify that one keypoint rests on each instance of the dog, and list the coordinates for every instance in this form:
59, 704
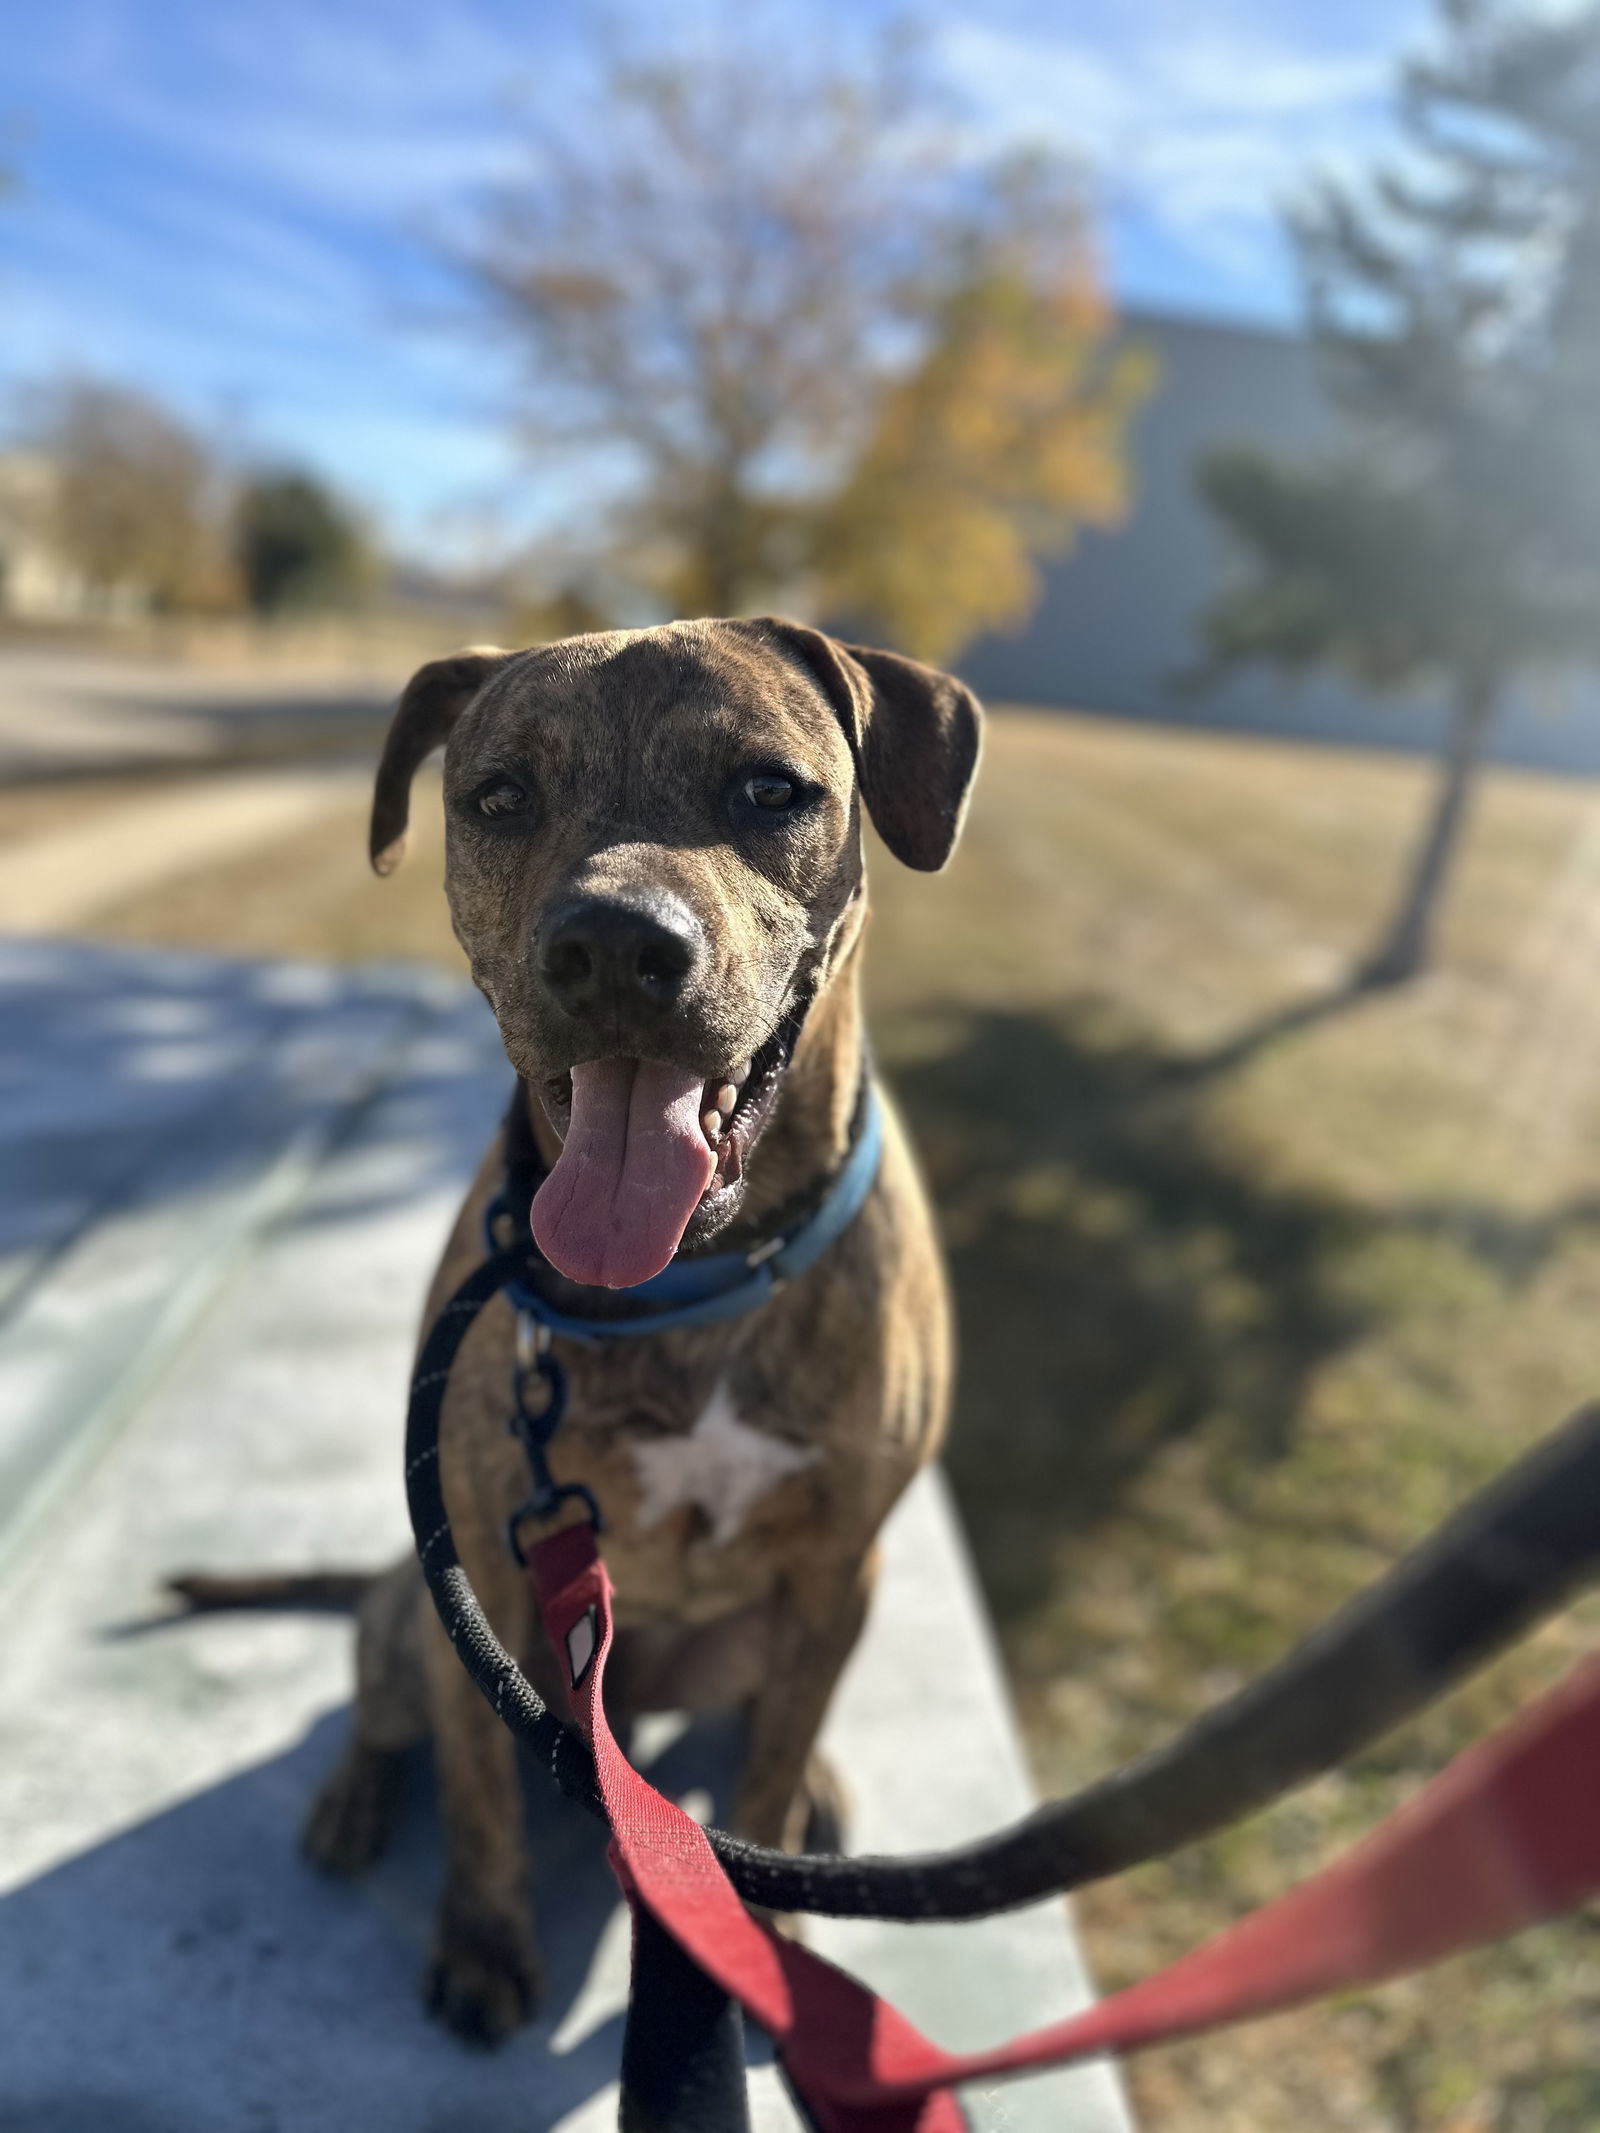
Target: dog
655, 866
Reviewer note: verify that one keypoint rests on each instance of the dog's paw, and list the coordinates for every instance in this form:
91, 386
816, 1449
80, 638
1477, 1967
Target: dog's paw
486, 1978
349, 1820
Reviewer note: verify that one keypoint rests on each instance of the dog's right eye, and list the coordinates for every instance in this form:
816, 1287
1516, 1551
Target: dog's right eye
501, 796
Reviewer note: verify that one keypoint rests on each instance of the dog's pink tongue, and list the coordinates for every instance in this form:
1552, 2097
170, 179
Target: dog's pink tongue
630, 1175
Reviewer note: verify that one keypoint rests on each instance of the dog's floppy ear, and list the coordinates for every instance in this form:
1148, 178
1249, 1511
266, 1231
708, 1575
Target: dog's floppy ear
434, 698
913, 731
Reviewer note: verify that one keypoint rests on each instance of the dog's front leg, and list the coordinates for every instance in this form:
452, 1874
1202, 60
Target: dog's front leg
816, 1626
485, 1978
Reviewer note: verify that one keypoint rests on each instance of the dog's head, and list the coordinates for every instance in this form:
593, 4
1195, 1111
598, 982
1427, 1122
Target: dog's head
654, 864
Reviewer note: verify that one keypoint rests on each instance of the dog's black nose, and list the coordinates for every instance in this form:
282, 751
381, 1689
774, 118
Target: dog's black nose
600, 952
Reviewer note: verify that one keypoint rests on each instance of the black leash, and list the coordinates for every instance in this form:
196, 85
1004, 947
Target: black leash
1515, 1553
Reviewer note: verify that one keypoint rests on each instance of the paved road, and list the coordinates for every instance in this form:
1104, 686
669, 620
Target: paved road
63, 712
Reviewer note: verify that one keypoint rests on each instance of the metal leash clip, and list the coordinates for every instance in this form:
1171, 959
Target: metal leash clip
533, 1427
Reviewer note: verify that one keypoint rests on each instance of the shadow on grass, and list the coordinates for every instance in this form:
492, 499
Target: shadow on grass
1123, 1276
1128, 1272
1259, 1036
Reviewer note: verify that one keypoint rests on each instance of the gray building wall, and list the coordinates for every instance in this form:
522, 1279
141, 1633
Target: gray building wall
1118, 622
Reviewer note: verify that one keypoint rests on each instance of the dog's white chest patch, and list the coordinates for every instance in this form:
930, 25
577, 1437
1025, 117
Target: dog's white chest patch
722, 1465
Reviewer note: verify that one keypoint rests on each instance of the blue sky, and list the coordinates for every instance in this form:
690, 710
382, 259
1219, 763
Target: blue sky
231, 205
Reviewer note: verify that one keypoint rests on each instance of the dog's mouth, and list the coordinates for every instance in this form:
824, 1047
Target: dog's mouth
645, 1146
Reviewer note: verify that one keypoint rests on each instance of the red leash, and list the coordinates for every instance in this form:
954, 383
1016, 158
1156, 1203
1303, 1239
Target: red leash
1508, 1835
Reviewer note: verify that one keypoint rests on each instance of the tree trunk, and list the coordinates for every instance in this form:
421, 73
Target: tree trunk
1407, 947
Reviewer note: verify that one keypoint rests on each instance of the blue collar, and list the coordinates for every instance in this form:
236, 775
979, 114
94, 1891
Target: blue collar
700, 1292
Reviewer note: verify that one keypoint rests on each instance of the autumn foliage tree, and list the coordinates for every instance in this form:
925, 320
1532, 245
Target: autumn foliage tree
138, 497
812, 354
999, 441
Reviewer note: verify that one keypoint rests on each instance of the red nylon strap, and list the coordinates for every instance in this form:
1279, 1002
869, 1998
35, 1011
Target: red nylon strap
1508, 1835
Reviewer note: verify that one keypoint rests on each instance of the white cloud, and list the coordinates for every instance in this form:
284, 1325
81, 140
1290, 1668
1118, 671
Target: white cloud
350, 110
1206, 132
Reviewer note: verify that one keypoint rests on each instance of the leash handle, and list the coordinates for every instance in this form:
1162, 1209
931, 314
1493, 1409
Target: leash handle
1506, 1837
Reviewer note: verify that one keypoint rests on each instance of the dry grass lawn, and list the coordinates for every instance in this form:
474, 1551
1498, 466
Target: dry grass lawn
1243, 1314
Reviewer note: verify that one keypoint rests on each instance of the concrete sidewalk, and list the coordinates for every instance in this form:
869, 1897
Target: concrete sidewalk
291, 1143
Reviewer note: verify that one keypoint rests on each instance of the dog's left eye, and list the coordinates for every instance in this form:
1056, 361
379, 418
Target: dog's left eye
767, 789
501, 796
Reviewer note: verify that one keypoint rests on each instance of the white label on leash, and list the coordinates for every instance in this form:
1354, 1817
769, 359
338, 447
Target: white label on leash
581, 1641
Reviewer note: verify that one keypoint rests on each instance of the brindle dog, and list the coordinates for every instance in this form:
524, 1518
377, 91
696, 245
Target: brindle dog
655, 867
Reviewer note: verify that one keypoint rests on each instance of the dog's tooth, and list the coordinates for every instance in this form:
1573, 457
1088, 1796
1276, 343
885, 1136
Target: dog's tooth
727, 1097
711, 1126
740, 1074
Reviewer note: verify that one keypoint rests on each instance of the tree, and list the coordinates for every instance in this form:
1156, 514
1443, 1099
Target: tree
136, 497
1455, 302
999, 441
756, 295
297, 546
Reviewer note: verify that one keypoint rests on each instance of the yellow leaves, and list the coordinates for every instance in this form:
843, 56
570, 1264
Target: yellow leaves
990, 453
